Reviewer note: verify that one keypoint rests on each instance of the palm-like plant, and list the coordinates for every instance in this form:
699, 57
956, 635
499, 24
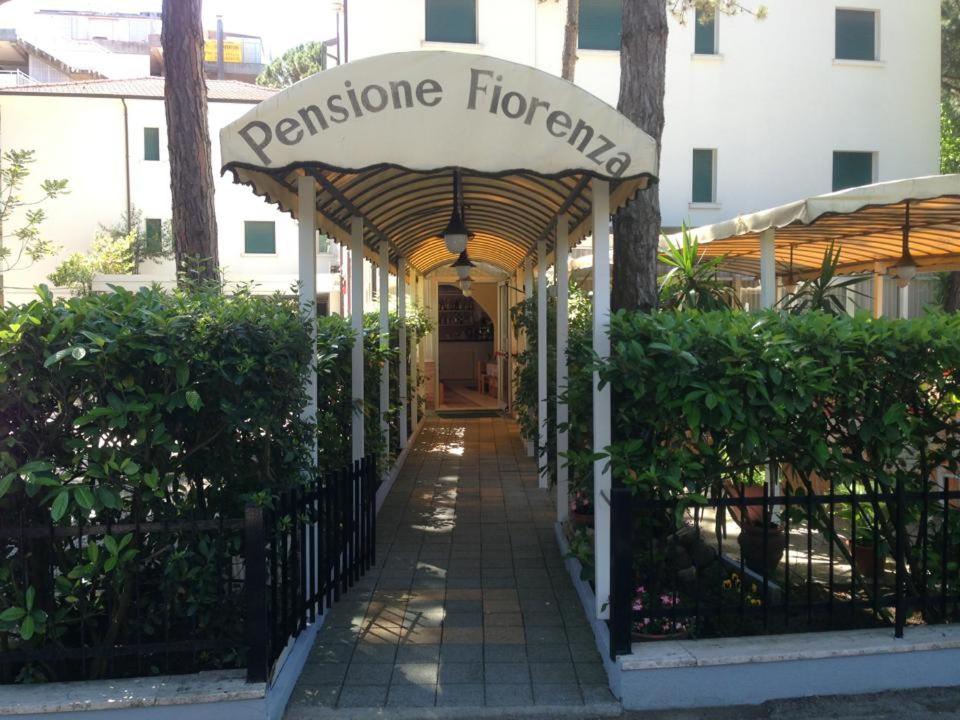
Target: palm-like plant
691, 283
821, 293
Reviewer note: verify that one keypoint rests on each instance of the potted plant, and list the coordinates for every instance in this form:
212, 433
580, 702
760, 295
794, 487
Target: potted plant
653, 620
867, 546
762, 546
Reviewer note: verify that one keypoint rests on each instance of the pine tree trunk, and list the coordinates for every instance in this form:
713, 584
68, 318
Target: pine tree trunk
194, 220
636, 230
951, 293
571, 32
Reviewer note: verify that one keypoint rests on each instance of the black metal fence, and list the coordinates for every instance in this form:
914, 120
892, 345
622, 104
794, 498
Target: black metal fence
123, 599
813, 557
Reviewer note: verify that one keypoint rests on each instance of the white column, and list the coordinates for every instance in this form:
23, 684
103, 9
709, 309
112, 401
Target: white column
415, 357
768, 269
878, 292
528, 291
543, 459
307, 268
384, 268
602, 431
904, 302
402, 371
356, 324
561, 251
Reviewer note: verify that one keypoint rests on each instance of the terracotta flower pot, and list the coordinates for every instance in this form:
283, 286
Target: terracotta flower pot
652, 637
581, 518
752, 547
869, 562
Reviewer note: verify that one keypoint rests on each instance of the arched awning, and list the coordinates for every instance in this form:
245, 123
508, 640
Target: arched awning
383, 136
865, 224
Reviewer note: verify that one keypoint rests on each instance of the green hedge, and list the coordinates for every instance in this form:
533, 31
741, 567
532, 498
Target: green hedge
131, 408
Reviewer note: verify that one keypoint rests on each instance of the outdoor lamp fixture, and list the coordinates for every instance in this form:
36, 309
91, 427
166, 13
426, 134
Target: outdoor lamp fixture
904, 269
463, 265
465, 285
456, 235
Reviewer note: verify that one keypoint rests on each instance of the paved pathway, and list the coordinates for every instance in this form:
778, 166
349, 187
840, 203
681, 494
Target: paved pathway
470, 606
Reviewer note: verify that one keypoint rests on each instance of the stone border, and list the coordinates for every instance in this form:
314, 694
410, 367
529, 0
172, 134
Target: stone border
391, 478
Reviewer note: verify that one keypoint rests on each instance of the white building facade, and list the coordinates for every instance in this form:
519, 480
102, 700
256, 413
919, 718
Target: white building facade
821, 95
108, 138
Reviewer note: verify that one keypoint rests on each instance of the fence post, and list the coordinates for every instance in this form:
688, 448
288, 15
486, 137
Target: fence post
899, 551
621, 571
255, 583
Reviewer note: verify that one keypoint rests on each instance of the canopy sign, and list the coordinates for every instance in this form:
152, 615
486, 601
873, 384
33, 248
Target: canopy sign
424, 111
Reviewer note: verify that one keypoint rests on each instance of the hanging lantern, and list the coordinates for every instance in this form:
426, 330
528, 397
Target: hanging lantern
456, 235
463, 266
466, 285
904, 269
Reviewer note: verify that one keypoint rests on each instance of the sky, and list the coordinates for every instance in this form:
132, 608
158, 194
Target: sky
283, 26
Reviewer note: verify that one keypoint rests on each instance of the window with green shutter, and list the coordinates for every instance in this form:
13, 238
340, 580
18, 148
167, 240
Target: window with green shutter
856, 35
453, 21
259, 237
153, 235
151, 143
705, 35
852, 169
704, 185
599, 25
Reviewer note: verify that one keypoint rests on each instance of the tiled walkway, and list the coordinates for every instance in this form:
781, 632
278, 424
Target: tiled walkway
470, 605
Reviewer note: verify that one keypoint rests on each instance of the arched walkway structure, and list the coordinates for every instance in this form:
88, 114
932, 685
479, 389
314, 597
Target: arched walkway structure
377, 153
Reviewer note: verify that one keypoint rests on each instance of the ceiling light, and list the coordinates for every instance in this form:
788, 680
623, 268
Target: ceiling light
904, 269
463, 266
456, 235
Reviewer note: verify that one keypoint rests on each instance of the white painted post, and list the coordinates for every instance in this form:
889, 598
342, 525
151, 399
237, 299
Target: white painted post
768, 269
528, 291
384, 268
602, 430
415, 358
356, 324
904, 302
543, 459
402, 371
562, 273
307, 269
878, 292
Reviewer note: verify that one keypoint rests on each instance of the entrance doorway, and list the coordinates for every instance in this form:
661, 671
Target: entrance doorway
467, 362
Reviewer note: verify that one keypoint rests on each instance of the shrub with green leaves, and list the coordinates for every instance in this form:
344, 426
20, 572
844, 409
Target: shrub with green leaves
135, 408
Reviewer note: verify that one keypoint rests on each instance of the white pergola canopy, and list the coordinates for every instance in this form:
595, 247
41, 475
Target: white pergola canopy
370, 153
865, 224
382, 137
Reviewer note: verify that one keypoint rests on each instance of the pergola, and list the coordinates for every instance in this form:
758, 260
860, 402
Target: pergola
880, 229
379, 153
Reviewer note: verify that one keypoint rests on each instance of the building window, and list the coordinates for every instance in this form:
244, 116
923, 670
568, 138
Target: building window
599, 25
151, 143
259, 237
704, 176
452, 21
323, 244
153, 236
856, 35
705, 34
852, 169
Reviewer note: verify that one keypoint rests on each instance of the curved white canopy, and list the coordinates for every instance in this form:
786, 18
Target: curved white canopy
864, 223
382, 136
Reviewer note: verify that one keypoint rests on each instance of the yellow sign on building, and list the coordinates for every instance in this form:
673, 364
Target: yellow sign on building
232, 51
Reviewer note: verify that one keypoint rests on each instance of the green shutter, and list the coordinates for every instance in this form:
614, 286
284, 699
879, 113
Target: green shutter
705, 35
703, 176
599, 25
154, 236
856, 35
852, 169
259, 237
453, 21
151, 143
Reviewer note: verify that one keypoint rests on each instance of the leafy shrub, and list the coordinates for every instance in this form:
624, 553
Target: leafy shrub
135, 408
707, 397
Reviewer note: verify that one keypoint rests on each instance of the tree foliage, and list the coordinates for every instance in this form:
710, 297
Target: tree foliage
116, 250
950, 48
294, 65
692, 283
22, 242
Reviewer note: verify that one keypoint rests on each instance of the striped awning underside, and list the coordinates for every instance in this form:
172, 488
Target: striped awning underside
868, 237
506, 214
